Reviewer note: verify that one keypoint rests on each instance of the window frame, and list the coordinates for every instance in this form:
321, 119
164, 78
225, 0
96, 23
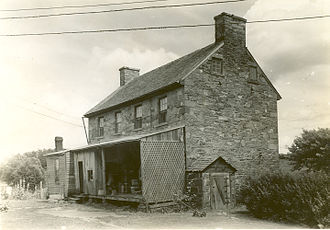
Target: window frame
215, 69
90, 175
100, 128
138, 119
118, 123
56, 171
162, 113
253, 77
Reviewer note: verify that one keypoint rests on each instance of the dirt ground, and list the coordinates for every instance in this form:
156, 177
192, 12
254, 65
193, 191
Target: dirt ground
39, 214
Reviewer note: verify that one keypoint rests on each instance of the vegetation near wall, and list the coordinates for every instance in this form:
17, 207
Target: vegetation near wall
296, 198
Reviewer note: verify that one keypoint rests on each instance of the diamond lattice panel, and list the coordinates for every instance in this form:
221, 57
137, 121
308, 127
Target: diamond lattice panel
163, 170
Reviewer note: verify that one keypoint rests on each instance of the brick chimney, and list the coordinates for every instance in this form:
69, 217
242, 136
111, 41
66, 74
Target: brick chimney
127, 74
58, 144
230, 29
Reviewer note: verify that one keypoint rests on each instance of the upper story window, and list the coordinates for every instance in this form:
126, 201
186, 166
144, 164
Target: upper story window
101, 126
138, 117
117, 122
57, 169
253, 73
162, 109
217, 66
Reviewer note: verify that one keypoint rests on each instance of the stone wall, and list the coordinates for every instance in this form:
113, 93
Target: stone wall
194, 186
227, 115
150, 121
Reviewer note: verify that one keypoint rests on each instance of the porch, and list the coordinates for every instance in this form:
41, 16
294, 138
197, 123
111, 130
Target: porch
134, 169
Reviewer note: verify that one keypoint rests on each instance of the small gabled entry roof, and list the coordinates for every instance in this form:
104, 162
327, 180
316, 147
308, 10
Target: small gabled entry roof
203, 163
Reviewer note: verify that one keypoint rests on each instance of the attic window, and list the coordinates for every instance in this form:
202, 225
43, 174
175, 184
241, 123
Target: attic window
101, 126
138, 117
217, 66
253, 73
117, 121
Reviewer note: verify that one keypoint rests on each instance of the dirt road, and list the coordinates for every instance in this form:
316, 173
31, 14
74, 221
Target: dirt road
37, 214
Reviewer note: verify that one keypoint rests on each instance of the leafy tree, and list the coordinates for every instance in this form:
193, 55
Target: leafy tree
312, 150
29, 167
40, 155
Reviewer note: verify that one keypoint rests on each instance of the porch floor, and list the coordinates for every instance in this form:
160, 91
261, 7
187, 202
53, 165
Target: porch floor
118, 197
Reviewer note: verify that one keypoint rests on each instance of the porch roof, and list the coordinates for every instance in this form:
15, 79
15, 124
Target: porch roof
116, 141
56, 153
124, 139
109, 143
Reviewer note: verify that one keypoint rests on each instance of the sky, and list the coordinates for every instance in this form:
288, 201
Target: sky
49, 82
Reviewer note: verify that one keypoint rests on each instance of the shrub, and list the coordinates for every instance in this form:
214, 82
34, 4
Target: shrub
19, 193
288, 197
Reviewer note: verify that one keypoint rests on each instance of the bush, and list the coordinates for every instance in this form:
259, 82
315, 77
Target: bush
19, 193
288, 197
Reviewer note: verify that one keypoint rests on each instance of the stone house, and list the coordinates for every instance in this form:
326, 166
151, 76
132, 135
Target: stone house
200, 124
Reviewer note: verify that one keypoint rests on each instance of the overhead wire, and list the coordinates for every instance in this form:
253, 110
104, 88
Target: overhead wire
45, 115
121, 9
82, 6
158, 27
47, 108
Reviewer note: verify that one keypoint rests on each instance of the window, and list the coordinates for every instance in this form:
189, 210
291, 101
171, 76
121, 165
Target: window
217, 66
162, 109
138, 117
253, 73
90, 175
117, 121
57, 168
101, 126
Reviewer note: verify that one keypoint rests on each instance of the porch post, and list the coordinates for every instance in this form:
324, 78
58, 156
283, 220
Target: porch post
103, 170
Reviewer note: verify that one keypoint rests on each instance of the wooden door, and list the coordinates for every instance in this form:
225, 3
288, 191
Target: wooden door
81, 176
219, 190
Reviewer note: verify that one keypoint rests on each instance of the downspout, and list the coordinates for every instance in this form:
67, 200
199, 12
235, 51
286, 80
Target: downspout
83, 120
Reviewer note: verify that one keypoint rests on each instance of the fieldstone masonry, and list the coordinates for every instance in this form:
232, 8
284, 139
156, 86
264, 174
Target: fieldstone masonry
227, 115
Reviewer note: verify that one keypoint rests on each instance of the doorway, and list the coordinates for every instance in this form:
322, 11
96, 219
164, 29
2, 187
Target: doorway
220, 190
81, 176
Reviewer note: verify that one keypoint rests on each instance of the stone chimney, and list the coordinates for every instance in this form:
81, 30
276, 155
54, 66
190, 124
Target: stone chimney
58, 144
230, 29
127, 74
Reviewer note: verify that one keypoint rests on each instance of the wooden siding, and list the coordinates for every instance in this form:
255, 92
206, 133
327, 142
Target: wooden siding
56, 188
89, 163
66, 184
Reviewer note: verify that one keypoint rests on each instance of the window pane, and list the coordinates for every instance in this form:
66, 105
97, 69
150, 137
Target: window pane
163, 104
101, 122
118, 117
253, 73
57, 164
217, 66
138, 111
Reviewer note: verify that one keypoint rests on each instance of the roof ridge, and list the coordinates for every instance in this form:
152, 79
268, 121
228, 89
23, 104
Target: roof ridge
155, 79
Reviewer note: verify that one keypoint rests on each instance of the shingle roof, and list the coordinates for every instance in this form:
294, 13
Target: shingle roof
156, 79
202, 163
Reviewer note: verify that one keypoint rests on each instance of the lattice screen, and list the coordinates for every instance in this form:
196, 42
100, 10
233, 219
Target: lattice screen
163, 170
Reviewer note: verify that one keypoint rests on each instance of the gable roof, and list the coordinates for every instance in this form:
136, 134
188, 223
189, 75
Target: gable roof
264, 75
200, 164
160, 78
